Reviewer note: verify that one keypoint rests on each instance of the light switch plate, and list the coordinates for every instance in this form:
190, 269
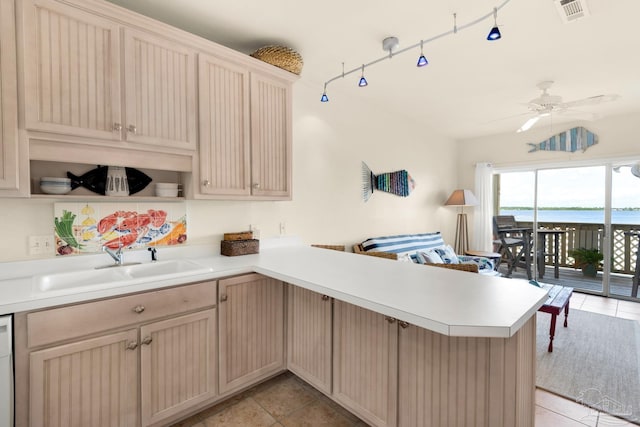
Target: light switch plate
41, 245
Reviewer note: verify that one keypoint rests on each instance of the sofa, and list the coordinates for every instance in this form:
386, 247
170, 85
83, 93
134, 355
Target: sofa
423, 248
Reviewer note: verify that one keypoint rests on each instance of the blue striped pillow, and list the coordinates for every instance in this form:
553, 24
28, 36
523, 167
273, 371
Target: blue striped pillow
404, 243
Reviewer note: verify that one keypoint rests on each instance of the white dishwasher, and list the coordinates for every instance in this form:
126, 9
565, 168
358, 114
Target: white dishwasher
6, 372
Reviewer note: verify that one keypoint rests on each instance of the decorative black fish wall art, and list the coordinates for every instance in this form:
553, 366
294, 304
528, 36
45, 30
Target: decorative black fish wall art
399, 183
96, 179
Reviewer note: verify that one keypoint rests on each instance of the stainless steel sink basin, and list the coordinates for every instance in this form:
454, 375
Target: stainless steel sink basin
116, 276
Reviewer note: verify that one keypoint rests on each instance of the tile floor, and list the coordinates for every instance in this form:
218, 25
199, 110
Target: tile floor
287, 401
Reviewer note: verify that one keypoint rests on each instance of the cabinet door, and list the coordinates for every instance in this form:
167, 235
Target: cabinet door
160, 91
87, 383
251, 316
72, 71
309, 319
365, 365
178, 364
456, 381
270, 137
224, 128
9, 161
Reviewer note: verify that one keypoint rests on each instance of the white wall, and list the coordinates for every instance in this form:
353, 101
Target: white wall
330, 141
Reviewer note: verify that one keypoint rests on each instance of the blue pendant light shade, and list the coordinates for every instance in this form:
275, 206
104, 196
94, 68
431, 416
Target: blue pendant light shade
494, 34
324, 97
363, 82
422, 61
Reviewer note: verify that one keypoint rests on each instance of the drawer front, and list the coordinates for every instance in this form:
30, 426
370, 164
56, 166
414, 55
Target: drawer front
58, 324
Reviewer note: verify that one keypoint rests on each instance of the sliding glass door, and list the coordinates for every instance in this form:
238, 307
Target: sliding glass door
585, 222
571, 213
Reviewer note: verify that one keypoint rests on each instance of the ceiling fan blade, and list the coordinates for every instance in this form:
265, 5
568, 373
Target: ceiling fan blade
529, 123
592, 100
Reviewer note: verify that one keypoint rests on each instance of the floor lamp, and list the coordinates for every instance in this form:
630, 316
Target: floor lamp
461, 198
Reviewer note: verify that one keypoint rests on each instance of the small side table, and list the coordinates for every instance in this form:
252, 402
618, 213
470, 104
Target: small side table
559, 297
494, 256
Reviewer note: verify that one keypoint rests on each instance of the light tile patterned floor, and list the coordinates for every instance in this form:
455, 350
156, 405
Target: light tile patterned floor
287, 401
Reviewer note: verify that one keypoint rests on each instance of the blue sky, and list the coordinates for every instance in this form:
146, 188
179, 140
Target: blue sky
581, 187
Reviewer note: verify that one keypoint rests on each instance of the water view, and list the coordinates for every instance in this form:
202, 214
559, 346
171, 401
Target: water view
588, 216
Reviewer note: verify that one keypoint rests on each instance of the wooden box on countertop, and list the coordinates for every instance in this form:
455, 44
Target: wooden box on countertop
240, 235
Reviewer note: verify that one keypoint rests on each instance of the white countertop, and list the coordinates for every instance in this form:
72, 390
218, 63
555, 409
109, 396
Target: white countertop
449, 302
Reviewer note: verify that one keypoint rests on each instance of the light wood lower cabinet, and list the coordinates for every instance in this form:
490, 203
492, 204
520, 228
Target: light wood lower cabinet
466, 381
309, 334
178, 366
365, 363
251, 316
143, 359
92, 382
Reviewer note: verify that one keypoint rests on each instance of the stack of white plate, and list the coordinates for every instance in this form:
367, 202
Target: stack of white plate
166, 189
52, 185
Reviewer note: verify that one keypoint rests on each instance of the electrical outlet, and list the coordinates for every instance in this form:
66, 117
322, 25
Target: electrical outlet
283, 229
41, 245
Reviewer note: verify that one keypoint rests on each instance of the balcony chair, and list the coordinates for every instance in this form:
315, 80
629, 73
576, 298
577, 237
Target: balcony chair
513, 243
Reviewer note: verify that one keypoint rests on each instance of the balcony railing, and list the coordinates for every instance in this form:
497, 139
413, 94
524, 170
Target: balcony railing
590, 236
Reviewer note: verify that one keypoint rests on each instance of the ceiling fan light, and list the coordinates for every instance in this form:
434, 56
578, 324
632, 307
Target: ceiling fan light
422, 61
528, 124
494, 34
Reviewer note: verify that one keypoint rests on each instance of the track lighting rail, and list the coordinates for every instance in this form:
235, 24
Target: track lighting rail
420, 44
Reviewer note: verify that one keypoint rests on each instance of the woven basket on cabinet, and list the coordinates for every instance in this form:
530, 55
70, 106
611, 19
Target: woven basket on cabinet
280, 56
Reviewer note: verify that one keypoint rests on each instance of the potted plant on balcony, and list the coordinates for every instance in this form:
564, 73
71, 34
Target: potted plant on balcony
587, 259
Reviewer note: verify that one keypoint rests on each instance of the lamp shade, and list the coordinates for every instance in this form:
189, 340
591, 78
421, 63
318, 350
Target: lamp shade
461, 198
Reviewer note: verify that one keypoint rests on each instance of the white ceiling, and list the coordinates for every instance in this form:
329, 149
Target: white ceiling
470, 87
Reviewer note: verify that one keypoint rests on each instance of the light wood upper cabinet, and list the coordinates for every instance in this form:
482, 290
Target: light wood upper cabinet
88, 383
270, 137
72, 71
160, 91
82, 78
178, 364
245, 132
10, 161
224, 128
309, 334
365, 363
251, 338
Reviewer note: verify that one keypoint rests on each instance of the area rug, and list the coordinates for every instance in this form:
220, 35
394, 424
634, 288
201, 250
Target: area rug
595, 362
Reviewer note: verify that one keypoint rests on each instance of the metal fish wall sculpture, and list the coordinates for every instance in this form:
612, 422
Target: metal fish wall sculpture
569, 141
399, 183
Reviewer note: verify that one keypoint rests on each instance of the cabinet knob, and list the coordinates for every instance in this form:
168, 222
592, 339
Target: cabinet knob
132, 345
223, 297
390, 319
147, 340
325, 297
117, 127
138, 309
403, 324
132, 129
206, 183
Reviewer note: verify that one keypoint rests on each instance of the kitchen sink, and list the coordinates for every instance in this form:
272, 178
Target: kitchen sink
115, 276
171, 268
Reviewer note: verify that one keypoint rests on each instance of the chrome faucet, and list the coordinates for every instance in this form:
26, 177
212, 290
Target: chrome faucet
116, 255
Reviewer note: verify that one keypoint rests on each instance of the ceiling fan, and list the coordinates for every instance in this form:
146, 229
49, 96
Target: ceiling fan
546, 104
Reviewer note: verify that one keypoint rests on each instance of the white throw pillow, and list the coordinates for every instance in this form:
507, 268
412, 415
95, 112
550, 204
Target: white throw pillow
430, 256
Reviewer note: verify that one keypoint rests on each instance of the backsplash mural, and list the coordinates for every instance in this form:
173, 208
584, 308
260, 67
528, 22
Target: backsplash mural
86, 227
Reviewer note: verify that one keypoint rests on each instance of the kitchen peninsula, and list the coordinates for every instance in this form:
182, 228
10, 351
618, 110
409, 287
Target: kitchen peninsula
395, 343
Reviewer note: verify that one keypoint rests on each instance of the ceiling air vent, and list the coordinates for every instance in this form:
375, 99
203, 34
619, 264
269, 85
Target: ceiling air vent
570, 10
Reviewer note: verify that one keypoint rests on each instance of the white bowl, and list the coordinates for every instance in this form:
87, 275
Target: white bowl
166, 192
52, 185
167, 185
